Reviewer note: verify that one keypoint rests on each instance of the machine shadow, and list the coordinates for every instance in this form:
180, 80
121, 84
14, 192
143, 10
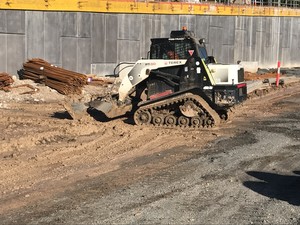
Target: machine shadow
101, 117
96, 115
62, 115
281, 187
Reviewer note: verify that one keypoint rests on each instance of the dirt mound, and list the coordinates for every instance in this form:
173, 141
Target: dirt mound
254, 76
27, 91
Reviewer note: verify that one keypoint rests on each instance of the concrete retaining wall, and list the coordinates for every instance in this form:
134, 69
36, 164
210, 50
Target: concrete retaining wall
96, 42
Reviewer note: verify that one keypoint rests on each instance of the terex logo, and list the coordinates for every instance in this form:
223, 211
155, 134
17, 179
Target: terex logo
174, 62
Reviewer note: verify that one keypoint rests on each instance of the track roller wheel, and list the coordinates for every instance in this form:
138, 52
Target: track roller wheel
170, 120
223, 115
196, 121
209, 122
142, 117
183, 121
158, 120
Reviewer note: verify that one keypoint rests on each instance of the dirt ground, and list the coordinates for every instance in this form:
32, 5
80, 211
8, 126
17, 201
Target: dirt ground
55, 170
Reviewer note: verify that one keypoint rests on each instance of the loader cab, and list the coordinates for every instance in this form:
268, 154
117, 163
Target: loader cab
181, 45
166, 48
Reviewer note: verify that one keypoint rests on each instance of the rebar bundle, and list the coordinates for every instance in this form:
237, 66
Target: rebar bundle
64, 81
5, 80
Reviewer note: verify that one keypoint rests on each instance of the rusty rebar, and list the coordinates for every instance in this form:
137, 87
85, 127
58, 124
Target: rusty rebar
5, 80
64, 81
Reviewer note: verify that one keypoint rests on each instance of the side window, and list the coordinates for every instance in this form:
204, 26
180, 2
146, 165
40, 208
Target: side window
178, 49
160, 51
168, 51
182, 49
203, 52
154, 51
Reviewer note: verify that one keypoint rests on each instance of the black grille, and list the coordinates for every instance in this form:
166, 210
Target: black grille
241, 75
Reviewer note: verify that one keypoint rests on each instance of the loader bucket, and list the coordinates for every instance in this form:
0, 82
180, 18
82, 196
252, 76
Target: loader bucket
110, 108
100, 105
77, 110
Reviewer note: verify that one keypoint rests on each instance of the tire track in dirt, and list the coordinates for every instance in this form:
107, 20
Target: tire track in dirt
65, 154
44, 154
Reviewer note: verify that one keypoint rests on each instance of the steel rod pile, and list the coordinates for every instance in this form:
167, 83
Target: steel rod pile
100, 81
5, 80
64, 81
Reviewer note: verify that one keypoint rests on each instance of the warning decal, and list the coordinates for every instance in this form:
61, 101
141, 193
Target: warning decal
191, 52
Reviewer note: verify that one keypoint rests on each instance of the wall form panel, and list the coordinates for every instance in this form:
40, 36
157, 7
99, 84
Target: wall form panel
78, 40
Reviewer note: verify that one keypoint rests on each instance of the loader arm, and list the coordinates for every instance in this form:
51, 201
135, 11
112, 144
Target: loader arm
141, 71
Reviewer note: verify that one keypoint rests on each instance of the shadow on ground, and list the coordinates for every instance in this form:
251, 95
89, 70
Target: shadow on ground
281, 187
62, 115
96, 115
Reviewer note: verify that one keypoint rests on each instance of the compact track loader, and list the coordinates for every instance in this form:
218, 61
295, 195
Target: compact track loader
177, 85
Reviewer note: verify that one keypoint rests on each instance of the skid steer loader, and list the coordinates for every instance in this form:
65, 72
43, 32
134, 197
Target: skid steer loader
177, 85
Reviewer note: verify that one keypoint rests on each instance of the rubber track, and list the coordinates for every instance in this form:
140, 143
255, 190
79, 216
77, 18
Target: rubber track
200, 102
